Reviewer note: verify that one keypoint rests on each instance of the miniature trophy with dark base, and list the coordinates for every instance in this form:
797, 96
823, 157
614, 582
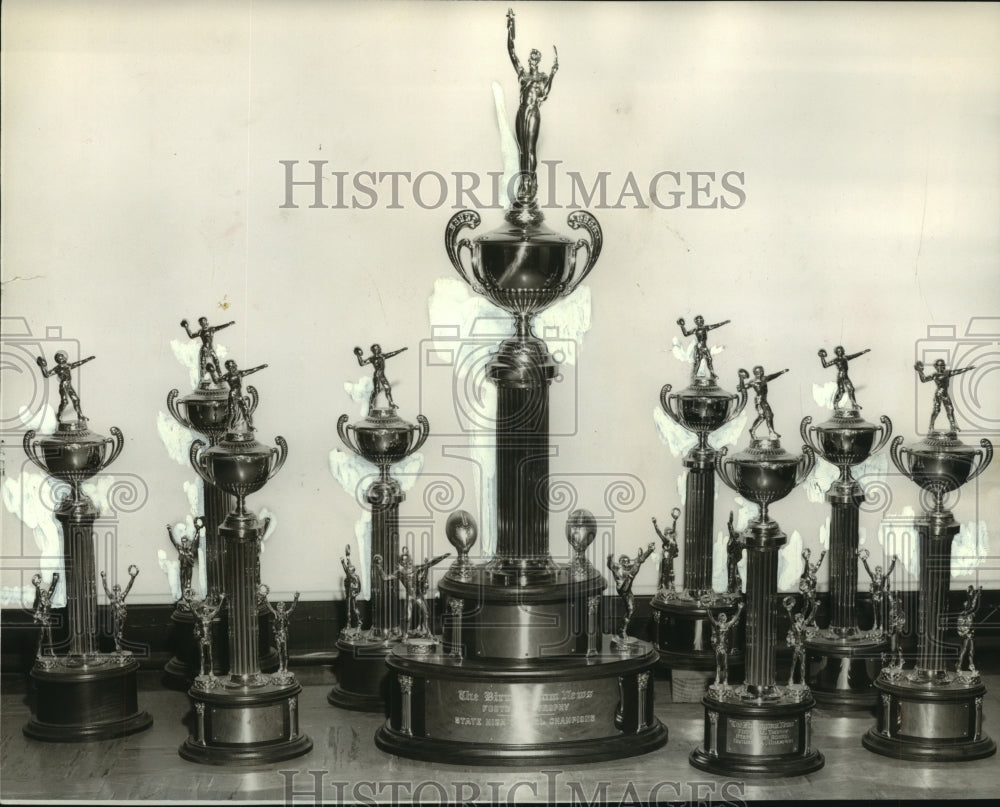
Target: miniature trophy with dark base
79, 693
760, 727
243, 716
521, 674
932, 712
206, 410
383, 439
844, 659
682, 619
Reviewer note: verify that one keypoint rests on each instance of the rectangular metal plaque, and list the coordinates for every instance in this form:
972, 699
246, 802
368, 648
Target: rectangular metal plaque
934, 721
521, 713
762, 737
251, 724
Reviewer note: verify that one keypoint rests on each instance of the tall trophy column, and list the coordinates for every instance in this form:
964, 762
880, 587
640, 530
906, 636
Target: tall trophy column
523, 673
844, 660
759, 727
682, 620
206, 410
932, 712
244, 716
383, 438
79, 693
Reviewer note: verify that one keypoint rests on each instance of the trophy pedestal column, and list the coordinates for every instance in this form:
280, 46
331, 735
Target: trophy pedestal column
759, 728
842, 660
85, 695
930, 713
521, 677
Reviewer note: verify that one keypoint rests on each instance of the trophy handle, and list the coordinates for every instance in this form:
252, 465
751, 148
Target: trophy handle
117, 442
806, 463
808, 435
253, 398
344, 431
886, 430
723, 470
576, 220
31, 448
424, 427
741, 402
454, 245
280, 454
198, 461
896, 453
984, 459
172, 397
665, 403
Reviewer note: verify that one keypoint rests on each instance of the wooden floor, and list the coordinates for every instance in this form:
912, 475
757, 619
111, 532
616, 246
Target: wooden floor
348, 766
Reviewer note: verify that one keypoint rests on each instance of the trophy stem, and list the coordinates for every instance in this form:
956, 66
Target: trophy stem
698, 507
217, 504
935, 576
761, 622
81, 581
843, 567
522, 471
385, 542
241, 587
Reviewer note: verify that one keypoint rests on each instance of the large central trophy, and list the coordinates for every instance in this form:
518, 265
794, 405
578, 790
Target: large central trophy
760, 727
244, 716
521, 673
932, 712
843, 659
682, 619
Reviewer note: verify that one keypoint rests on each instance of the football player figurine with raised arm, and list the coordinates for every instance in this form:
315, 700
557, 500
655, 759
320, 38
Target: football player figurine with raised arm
206, 353
942, 397
379, 382
67, 393
844, 385
702, 352
759, 384
669, 540
624, 573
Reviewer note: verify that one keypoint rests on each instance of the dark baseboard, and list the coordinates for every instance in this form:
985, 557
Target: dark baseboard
317, 623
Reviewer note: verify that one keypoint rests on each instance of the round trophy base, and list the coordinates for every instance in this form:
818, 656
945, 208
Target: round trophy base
758, 739
246, 725
929, 722
682, 633
842, 672
560, 710
86, 703
362, 677
179, 673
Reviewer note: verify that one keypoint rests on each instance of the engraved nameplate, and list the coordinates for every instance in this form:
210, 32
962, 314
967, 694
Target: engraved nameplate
521, 713
248, 725
762, 737
936, 721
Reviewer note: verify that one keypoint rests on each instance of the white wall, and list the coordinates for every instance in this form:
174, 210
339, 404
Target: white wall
142, 184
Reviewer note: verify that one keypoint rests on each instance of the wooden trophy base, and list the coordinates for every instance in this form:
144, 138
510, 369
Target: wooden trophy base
558, 710
842, 672
932, 722
746, 737
362, 675
682, 632
245, 725
75, 701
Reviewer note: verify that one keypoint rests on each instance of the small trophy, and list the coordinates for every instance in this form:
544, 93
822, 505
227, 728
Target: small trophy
666, 589
932, 712
218, 401
80, 693
843, 659
682, 618
461, 532
382, 438
246, 717
761, 727
417, 638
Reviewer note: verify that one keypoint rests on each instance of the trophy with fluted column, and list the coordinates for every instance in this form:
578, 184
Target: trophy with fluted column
243, 716
523, 672
682, 619
934, 712
78, 692
760, 727
843, 659
382, 438
205, 410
